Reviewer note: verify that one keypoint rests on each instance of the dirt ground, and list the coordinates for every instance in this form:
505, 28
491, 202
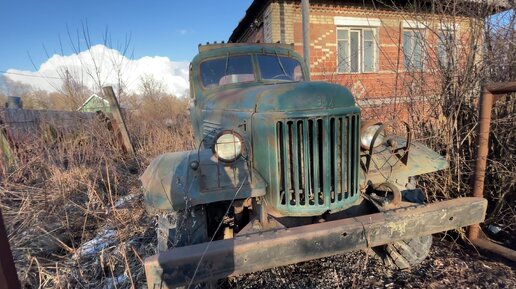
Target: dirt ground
449, 265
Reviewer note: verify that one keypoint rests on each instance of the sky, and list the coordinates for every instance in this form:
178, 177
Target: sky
163, 34
41, 38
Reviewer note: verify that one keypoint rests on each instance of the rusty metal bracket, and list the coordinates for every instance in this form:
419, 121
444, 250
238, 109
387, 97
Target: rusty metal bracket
487, 99
279, 247
406, 149
402, 153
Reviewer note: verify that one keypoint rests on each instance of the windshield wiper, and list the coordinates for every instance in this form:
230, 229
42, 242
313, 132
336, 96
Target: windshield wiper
226, 68
280, 64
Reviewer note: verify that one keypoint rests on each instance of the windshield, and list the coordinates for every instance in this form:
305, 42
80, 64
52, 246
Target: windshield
227, 70
282, 68
236, 69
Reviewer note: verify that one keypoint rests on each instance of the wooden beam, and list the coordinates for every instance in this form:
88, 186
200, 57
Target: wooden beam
7, 155
118, 120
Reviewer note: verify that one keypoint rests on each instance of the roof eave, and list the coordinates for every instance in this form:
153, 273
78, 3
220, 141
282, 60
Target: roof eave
258, 5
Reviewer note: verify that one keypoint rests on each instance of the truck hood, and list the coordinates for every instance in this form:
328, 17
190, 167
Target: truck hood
280, 97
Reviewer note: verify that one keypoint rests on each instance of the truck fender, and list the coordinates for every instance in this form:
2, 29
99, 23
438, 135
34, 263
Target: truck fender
421, 160
174, 181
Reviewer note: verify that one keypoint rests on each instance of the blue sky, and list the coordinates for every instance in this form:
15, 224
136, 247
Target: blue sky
157, 28
164, 37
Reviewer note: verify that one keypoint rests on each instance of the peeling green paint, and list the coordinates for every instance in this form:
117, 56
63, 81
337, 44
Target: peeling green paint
300, 139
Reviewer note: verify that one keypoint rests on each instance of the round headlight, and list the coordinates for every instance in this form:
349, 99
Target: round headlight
368, 133
228, 146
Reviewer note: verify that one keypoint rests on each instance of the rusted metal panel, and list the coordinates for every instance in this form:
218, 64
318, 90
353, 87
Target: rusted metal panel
260, 251
386, 167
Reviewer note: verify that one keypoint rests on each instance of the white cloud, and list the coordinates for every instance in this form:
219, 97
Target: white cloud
104, 60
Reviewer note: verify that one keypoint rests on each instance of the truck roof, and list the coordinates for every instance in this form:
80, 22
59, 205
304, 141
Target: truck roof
212, 46
216, 49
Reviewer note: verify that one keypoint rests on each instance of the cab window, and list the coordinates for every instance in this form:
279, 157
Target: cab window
280, 68
227, 70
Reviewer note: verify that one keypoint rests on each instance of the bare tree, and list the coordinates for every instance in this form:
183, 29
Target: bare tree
95, 68
438, 92
151, 89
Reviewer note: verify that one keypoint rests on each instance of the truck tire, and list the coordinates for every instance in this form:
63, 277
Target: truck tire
183, 228
407, 253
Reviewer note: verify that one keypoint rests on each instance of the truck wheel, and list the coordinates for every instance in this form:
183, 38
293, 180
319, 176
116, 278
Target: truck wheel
407, 253
182, 228
401, 254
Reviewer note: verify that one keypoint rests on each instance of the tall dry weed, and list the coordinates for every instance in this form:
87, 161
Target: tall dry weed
74, 186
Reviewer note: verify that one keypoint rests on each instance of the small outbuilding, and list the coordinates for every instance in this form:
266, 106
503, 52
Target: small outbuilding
95, 103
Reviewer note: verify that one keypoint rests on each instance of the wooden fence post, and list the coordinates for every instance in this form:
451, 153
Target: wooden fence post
7, 156
118, 120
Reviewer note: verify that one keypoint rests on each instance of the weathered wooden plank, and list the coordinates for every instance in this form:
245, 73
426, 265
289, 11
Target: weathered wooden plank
119, 120
8, 158
24, 125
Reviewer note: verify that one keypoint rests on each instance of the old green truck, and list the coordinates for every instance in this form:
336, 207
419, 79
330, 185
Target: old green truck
285, 170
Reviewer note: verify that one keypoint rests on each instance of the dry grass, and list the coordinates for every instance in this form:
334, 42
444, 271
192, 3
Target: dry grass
67, 190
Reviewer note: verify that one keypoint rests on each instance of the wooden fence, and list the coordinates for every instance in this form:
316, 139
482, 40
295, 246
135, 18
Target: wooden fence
21, 125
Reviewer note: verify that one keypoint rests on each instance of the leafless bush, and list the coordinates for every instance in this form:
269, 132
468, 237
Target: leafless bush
461, 47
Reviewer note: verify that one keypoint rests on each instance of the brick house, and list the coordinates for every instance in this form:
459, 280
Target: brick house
381, 53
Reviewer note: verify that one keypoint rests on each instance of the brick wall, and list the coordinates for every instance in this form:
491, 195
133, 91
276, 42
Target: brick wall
389, 83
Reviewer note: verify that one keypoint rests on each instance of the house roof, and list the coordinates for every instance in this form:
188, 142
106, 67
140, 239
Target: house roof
90, 98
259, 5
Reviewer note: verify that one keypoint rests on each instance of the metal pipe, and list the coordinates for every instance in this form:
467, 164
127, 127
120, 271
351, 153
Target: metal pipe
495, 248
487, 99
305, 6
8, 275
485, 105
501, 88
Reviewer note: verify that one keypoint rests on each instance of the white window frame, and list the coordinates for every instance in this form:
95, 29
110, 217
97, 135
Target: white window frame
413, 29
358, 23
446, 27
361, 68
443, 60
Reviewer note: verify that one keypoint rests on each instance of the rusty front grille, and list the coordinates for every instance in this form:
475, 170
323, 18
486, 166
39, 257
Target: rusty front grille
317, 166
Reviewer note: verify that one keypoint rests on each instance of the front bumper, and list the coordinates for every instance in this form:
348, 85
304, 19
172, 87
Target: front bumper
279, 247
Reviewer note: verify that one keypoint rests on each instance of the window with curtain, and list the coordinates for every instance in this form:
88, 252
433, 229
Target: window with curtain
356, 50
413, 49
